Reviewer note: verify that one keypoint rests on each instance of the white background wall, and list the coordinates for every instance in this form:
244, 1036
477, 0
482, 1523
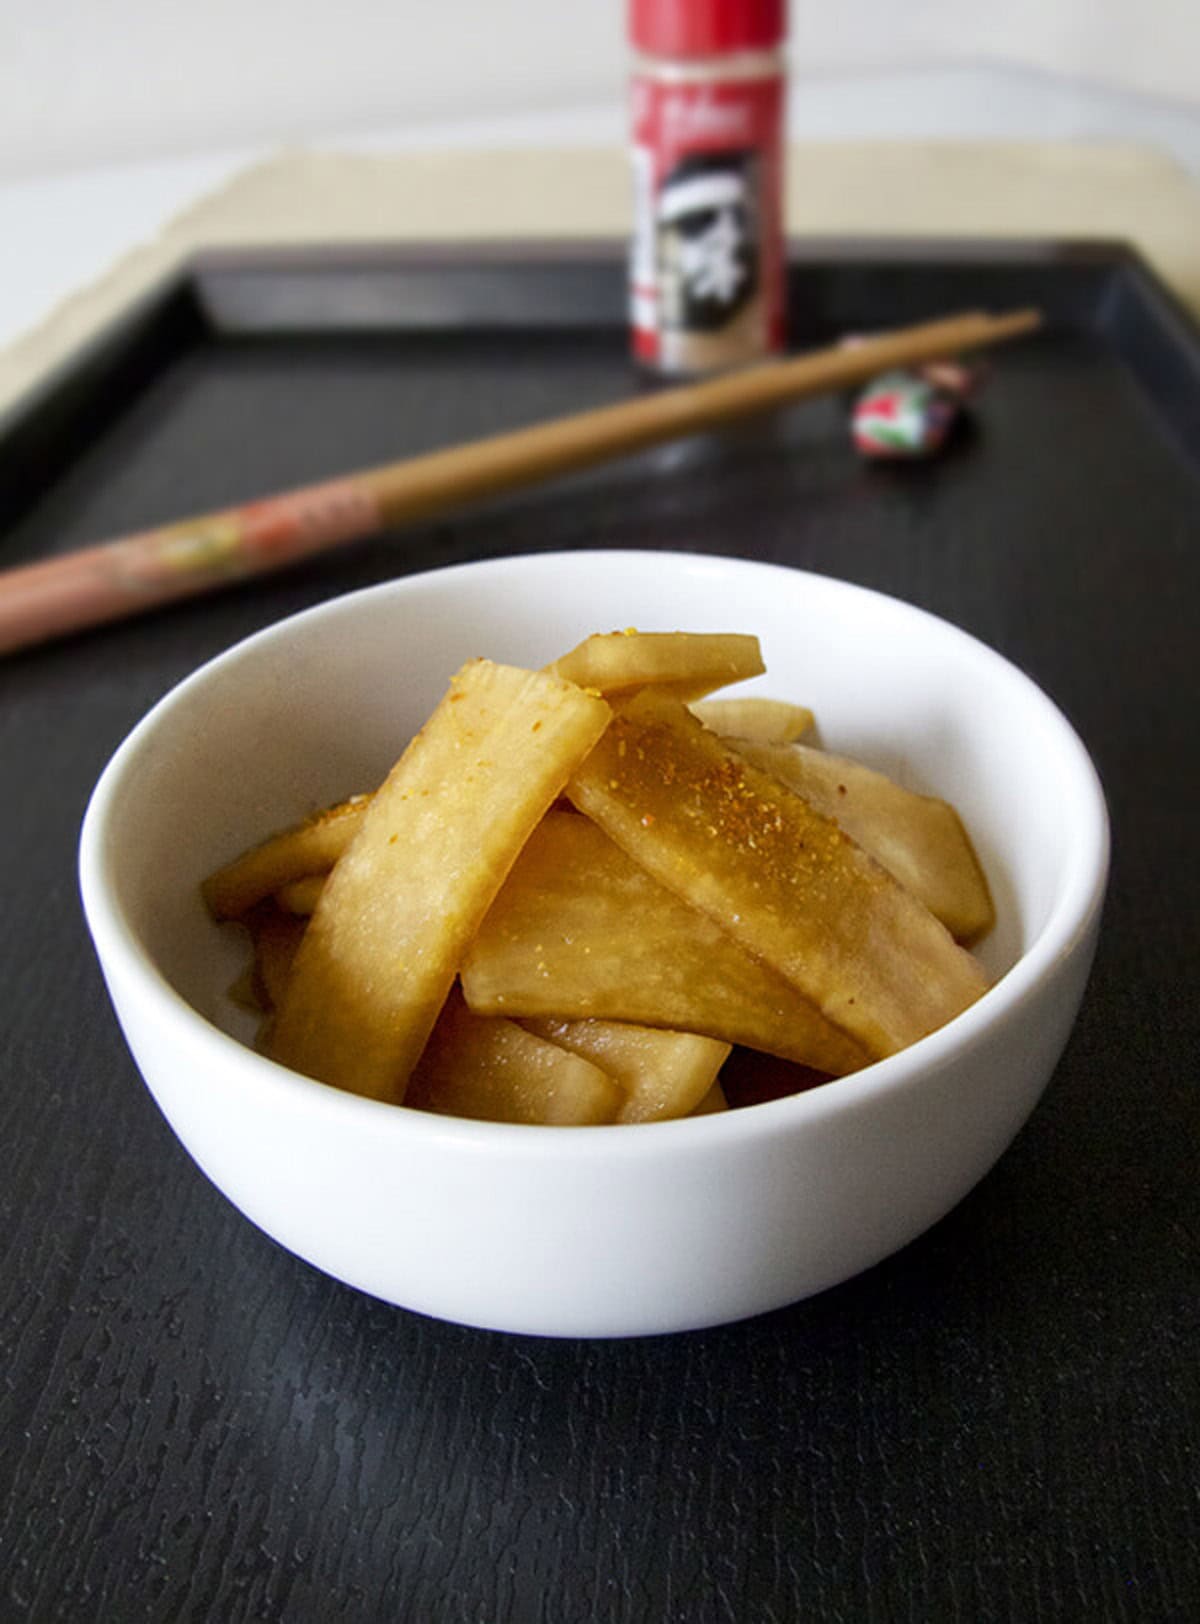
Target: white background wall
97, 81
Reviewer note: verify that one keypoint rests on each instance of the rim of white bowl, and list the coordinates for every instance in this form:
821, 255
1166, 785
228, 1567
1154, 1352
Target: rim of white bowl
1081, 893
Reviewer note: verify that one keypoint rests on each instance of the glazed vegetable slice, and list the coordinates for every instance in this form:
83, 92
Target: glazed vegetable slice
767, 721
917, 838
492, 1069
688, 663
714, 1100
781, 878
579, 930
664, 1074
311, 847
301, 896
276, 936
407, 895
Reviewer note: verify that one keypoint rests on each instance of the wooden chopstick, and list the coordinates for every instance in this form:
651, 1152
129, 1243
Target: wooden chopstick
135, 573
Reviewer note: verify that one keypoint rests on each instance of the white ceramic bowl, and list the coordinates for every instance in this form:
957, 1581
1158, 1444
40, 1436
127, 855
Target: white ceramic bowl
590, 1231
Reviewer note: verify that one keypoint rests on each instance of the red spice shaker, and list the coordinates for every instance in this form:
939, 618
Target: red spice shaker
707, 265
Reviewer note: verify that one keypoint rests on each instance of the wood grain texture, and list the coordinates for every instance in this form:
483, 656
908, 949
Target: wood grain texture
1001, 1422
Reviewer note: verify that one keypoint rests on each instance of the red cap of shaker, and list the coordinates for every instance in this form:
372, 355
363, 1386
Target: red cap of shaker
692, 28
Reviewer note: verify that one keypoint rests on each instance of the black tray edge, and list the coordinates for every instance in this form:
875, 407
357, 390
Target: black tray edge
293, 290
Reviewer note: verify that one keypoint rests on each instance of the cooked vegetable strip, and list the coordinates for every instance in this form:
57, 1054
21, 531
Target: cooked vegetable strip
782, 879
768, 721
311, 847
408, 894
714, 1100
276, 936
301, 896
578, 929
689, 663
493, 1069
918, 838
664, 1074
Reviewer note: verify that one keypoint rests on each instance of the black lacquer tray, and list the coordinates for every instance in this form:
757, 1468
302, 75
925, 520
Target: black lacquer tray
1003, 1421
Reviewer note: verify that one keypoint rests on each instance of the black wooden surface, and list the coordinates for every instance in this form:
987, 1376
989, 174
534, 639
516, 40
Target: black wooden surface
1001, 1422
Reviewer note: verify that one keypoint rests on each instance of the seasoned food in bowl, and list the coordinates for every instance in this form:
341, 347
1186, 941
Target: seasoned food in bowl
474, 951
643, 1224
